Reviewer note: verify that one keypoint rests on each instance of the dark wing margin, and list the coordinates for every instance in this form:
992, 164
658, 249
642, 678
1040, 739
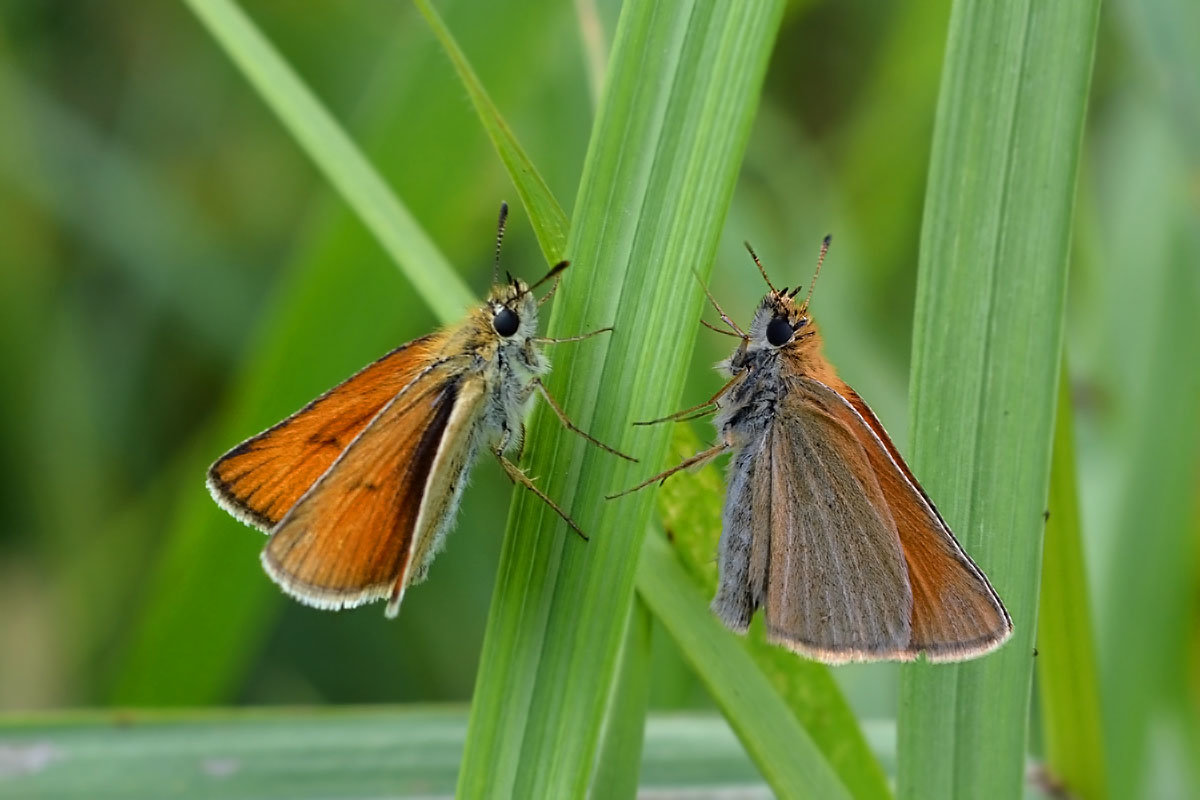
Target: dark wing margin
956, 614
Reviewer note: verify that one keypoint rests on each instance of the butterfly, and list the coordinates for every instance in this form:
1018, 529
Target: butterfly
358, 489
824, 526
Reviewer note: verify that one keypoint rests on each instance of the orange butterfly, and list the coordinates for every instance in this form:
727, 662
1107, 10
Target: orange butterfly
358, 488
824, 525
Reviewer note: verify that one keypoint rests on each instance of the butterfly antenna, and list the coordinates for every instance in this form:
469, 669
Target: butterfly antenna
554, 272
724, 317
499, 240
820, 260
758, 263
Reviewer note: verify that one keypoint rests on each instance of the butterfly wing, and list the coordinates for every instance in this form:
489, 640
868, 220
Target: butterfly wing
836, 587
956, 612
263, 477
352, 537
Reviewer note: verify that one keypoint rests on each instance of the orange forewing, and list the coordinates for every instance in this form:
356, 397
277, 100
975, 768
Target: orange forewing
262, 478
955, 610
349, 540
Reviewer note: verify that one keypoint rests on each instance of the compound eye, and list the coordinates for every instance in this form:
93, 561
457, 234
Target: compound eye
506, 322
779, 331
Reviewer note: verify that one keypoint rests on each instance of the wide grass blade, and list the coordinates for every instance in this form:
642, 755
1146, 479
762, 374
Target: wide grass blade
682, 86
348, 753
690, 507
1066, 664
545, 214
789, 759
342, 163
987, 337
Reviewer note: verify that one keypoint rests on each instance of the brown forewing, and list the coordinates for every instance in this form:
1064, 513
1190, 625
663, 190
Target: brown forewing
837, 588
350, 539
956, 612
262, 478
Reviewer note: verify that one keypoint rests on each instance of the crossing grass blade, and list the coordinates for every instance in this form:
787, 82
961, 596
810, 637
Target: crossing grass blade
986, 347
657, 181
624, 727
546, 215
332, 150
1066, 663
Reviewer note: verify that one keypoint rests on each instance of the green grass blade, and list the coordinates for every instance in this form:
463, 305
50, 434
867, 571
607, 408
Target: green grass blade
1148, 245
788, 758
809, 687
657, 181
690, 507
1149, 610
617, 770
349, 753
987, 334
342, 163
1066, 664
545, 214
621, 751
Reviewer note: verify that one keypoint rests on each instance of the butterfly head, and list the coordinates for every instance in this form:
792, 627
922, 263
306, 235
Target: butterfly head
512, 310
779, 322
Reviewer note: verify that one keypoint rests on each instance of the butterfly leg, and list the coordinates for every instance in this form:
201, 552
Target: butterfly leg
562, 417
700, 458
707, 407
516, 475
520, 445
579, 338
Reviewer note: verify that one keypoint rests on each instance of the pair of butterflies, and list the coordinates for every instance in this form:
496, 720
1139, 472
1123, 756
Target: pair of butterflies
824, 526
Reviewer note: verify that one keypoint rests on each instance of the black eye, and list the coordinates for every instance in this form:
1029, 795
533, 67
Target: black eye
505, 322
779, 331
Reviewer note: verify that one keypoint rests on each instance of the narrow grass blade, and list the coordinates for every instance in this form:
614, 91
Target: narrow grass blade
545, 214
690, 507
987, 337
657, 181
204, 606
787, 756
342, 163
624, 728
203, 609
1066, 664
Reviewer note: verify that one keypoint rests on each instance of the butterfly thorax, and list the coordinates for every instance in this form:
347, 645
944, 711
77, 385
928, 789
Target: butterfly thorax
782, 343
509, 360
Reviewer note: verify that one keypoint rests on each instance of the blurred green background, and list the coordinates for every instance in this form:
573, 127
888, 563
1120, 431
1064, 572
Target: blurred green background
175, 276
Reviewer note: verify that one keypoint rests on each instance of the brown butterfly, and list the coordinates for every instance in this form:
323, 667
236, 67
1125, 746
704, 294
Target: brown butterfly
358, 488
824, 525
